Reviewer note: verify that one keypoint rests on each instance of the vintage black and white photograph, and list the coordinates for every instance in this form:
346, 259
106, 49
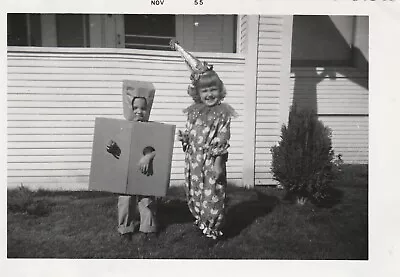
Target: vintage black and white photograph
187, 136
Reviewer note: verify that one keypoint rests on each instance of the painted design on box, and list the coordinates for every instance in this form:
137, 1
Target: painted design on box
113, 148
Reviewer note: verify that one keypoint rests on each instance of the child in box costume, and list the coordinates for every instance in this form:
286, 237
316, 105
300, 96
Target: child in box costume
141, 100
205, 143
122, 159
137, 102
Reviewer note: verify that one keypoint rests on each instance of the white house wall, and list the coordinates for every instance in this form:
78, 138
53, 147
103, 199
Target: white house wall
272, 74
339, 94
340, 97
55, 94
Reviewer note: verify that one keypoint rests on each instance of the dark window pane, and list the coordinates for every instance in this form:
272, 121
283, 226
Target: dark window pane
17, 29
36, 34
70, 30
149, 31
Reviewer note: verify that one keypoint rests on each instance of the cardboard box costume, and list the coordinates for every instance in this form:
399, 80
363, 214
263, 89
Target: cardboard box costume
119, 144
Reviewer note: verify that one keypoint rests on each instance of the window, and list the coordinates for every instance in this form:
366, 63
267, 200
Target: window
149, 31
208, 33
200, 33
72, 30
23, 29
196, 33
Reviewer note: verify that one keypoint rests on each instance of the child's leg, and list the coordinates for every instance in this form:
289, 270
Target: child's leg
126, 214
147, 209
215, 197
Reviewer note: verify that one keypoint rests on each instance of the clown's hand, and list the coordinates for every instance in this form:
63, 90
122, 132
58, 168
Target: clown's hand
218, 171
218, 168
183, 137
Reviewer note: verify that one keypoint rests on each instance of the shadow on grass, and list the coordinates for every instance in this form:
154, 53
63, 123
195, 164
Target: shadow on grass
333, 198
78, 194
353, 175
243, 214
243, 207
173, 211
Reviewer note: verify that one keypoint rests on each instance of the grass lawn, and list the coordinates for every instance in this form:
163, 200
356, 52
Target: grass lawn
260, 225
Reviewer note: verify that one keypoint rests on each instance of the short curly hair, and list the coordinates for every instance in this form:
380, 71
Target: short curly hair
207, 79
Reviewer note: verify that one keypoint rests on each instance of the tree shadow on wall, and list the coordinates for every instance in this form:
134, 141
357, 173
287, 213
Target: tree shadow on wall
309, 73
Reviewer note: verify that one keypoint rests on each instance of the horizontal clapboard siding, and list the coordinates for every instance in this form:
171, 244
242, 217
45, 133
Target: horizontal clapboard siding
268, 95
349, 137
54, 96
340, 97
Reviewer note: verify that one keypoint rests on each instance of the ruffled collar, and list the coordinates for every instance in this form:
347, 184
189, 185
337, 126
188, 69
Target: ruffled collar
201, 110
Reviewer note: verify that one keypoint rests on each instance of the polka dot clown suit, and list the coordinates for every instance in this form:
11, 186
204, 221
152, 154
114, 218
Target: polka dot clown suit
208, 133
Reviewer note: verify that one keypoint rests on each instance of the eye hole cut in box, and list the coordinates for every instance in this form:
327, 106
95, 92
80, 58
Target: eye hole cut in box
118, 146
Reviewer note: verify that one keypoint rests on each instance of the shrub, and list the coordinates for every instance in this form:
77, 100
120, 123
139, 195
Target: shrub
302, 162
22, 200
19, 199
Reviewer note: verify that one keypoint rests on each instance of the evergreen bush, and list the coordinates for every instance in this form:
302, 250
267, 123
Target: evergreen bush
302, 162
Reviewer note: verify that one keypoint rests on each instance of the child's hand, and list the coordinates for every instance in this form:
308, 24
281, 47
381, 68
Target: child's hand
182, 136
179, 136
146, 164
218, 171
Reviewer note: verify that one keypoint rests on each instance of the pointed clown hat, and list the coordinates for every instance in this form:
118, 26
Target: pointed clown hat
196, 67
132, 89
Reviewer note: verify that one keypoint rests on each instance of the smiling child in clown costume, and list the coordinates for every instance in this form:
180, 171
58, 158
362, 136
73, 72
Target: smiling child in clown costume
205, 143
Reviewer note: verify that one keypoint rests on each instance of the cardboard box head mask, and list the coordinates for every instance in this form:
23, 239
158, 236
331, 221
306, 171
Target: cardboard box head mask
132, 89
